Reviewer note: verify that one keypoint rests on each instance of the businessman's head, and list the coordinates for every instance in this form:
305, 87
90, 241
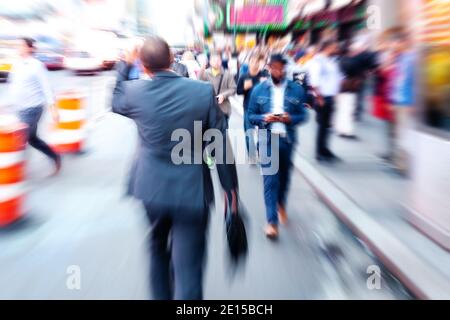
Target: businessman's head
156, 55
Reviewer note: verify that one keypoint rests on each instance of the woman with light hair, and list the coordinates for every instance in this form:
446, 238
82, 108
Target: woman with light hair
191, 64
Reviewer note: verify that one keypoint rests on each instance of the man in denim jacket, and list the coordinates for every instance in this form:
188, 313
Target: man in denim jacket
277, 107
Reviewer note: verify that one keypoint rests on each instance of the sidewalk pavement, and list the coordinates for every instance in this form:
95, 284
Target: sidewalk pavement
81, 220
369, 197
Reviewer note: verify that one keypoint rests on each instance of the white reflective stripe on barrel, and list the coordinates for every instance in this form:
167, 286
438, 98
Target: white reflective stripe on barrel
12, 191
71, 96
9, 159
7, 120
71, 115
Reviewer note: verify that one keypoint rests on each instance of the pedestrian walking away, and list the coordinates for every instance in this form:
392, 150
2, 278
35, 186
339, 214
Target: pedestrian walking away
178, 208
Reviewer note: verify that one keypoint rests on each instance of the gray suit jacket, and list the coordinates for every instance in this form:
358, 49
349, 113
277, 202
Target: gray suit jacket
159, 107
227, 89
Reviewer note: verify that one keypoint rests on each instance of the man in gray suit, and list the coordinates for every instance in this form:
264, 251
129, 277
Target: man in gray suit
222, 81
176, 196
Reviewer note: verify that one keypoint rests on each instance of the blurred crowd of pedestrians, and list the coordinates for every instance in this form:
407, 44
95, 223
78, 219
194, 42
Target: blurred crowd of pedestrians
164, 90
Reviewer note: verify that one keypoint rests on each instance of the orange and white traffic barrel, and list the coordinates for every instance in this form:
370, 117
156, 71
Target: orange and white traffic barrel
68, 135
13, 139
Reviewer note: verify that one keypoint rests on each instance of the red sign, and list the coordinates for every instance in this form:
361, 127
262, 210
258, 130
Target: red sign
347, 14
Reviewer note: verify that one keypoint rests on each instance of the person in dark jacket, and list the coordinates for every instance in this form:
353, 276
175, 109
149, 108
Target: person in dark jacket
246, 83
176, 190
353, 75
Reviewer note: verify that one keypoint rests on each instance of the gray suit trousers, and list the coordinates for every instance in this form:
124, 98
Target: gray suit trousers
177, 253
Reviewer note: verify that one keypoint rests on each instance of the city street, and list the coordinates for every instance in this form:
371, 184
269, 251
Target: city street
82, 218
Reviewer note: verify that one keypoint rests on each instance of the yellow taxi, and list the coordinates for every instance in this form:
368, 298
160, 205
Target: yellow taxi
6, 62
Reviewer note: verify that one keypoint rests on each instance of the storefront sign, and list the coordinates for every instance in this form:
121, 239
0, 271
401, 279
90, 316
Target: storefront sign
325, 19
352, 13
436, 21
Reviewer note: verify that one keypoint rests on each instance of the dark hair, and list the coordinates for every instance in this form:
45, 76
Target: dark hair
400, 36
397, 33
277, 58
326, 44
29, 42
156, 54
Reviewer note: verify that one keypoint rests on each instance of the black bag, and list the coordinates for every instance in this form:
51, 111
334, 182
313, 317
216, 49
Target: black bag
352, 84
235, 229
302, 79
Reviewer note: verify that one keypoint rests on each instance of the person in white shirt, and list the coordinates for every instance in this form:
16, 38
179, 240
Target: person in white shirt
325, 79
29, 94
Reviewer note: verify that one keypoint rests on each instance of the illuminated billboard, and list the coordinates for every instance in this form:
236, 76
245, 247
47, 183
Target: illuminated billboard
257, 15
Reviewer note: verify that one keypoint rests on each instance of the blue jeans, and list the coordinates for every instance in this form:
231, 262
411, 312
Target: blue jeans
276, 186
249, 138
31, 117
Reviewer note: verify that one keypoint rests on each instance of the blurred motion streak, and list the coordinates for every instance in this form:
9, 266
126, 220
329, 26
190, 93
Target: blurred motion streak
392, 159
12, 169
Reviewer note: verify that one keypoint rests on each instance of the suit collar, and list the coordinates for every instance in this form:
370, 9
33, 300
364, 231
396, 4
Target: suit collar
165, 74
